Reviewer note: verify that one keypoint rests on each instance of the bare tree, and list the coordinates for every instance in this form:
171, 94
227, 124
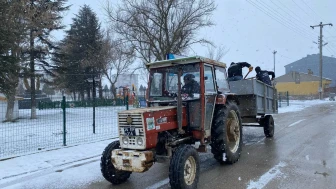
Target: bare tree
155, 28
217, 53
118, 57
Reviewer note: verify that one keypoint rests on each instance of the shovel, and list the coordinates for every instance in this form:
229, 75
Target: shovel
247, 74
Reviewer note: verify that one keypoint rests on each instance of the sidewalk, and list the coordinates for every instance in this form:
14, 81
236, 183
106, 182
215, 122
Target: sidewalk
18, 167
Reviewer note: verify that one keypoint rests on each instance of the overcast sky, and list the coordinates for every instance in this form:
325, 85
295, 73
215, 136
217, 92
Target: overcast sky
252, 29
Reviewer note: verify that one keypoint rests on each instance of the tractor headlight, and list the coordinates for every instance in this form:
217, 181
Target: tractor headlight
125, 140
140, 141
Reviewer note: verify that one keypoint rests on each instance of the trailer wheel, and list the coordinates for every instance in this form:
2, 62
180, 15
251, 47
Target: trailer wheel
184, 168
226, 134
110, 173
268, 123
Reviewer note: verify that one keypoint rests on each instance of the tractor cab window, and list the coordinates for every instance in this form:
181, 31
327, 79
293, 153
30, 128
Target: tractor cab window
164, 82
191, 84
156, 85
209, 81
171, 82
222, 83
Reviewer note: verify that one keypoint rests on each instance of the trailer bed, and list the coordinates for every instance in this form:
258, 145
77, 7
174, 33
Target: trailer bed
255, 97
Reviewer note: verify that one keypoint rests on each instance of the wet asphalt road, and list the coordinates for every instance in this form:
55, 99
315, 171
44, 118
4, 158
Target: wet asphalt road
302, 154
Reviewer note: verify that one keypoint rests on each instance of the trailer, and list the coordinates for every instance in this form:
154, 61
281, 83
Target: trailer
257, 102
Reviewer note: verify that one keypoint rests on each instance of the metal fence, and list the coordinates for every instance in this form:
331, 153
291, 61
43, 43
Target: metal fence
58, 124
283, 99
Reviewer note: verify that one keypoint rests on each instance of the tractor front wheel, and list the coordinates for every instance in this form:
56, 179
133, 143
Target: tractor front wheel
110, 173
184, 168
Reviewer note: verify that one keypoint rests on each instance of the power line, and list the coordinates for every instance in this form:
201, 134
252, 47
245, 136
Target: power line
315, 13
296, 26
276, 19
283, 18
297, 17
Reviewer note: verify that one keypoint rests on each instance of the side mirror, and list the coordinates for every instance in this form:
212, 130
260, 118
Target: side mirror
205, 77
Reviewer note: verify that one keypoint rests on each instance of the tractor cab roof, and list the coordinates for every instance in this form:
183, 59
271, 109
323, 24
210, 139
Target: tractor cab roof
186, 60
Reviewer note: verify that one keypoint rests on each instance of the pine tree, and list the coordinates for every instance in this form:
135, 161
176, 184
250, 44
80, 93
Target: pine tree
11, 37
41, 17
79, 57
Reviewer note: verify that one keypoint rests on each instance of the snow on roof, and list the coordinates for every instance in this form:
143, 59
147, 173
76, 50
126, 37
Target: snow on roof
184, 60
291, 77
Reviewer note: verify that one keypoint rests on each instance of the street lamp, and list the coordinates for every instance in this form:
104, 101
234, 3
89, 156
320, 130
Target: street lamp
274, 52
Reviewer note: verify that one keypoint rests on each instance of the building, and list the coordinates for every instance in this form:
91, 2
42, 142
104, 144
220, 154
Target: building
127, 80
312, 62
301, 84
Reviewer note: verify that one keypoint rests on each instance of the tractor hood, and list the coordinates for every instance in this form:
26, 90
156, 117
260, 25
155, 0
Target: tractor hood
148, 109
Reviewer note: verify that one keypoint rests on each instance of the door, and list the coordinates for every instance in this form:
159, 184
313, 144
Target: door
210, 96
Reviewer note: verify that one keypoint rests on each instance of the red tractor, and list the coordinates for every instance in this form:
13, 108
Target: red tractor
189, 101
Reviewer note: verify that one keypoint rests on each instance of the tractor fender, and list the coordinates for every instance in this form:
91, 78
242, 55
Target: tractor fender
225, 98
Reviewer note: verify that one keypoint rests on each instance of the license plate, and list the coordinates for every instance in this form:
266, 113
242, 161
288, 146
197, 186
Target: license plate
130, 131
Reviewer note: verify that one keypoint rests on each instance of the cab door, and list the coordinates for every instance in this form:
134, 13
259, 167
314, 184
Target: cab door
210, 97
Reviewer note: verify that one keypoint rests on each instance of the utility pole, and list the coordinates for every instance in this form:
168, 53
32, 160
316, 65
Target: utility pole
321, 41
274, 52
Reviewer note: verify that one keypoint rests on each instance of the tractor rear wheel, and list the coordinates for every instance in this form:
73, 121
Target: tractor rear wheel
109, 172
268, 123
226, 134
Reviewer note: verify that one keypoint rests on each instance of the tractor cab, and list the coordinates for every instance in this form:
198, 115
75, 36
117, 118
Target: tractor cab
195, 81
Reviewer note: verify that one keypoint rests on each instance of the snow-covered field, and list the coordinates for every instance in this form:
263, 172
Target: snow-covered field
16, 172
297, 105
46, 132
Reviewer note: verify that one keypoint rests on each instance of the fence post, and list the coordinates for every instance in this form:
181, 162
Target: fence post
287, 99
126, 101
94, 105
64, 120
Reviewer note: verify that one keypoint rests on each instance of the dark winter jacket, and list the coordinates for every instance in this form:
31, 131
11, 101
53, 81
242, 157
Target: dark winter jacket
263, 76
190, 88
236, 69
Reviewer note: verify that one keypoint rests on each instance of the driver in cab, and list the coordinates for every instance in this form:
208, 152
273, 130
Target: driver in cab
190, 85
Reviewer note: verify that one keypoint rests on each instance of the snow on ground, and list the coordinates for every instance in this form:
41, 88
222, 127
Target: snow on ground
267, 177
54, 169
46, 132
298, 105
23, 167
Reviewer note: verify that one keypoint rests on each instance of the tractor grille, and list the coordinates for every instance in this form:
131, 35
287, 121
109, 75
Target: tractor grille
139, 132
136, 123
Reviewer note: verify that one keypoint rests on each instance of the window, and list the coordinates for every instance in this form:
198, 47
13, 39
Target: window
171, 82
208, 79
222, 83
156, 85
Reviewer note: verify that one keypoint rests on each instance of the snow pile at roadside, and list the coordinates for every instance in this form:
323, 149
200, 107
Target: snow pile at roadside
298, 105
